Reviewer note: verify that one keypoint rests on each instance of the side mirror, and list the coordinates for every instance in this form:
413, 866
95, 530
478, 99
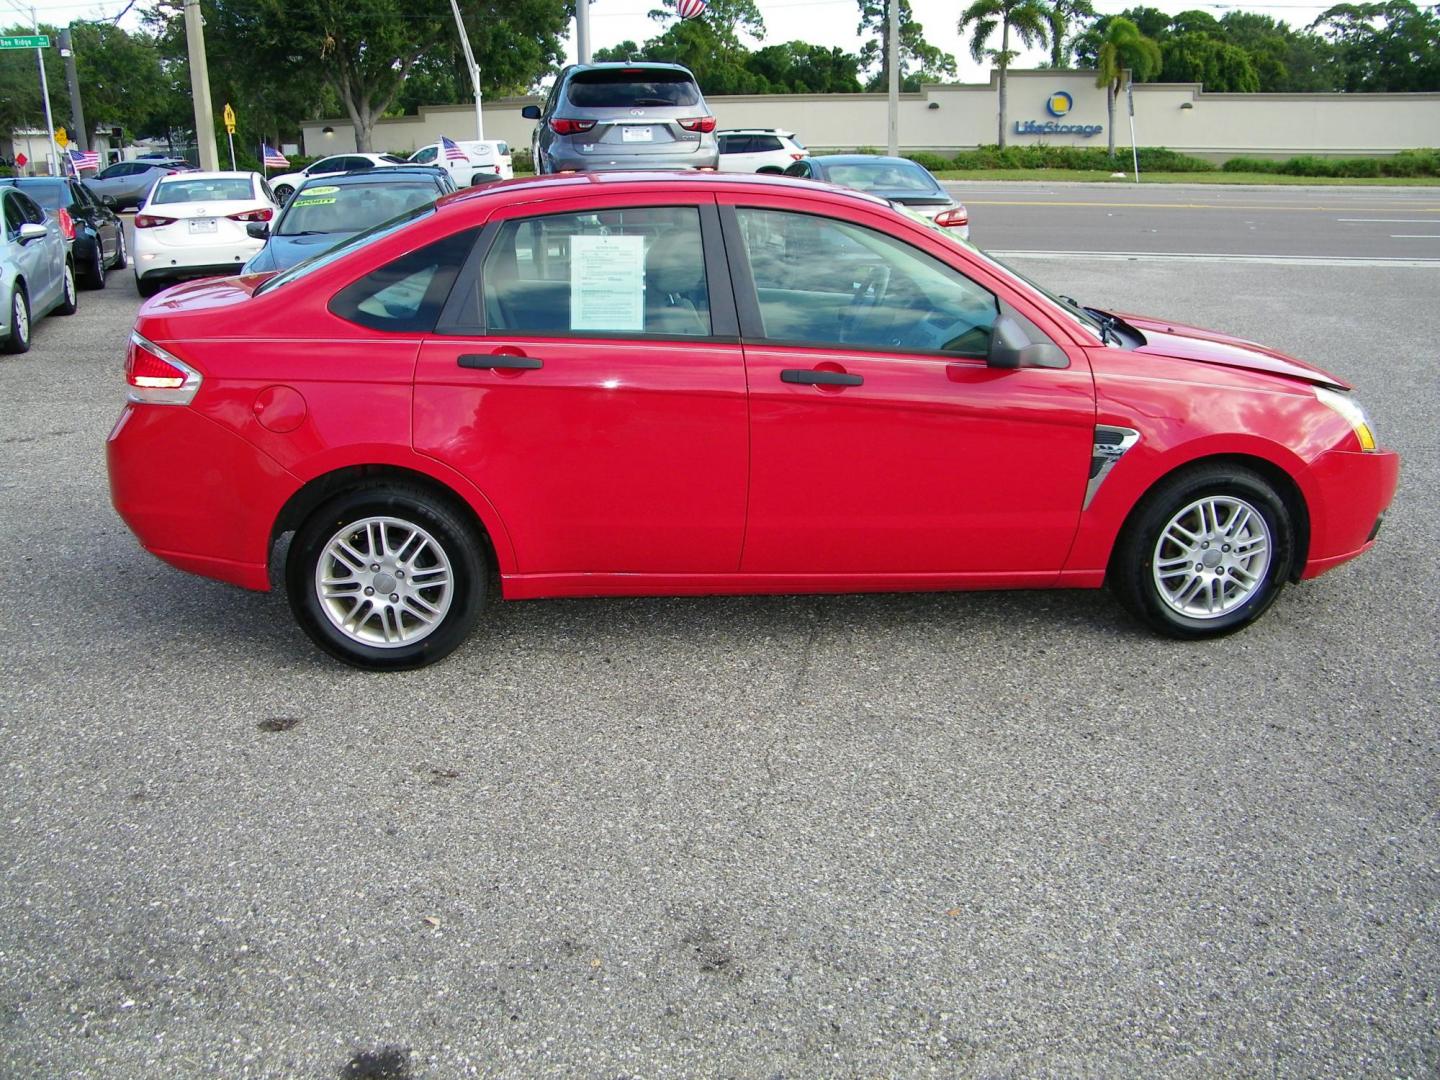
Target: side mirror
1016, 342
771, 170
108, 201
258, 230
480, 178
531, 112
31, 231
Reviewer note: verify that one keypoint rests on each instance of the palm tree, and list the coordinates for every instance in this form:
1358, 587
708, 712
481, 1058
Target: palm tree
1061, 14
1125, 54
1029, 20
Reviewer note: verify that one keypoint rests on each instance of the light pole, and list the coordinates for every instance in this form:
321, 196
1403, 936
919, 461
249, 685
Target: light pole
72, 80
892, 59
473, 67
582, 31
200, 87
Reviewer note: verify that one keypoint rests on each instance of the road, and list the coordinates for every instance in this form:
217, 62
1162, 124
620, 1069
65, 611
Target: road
946, 835
1283, 222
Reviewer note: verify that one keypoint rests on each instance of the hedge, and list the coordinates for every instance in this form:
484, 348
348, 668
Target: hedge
1422, 162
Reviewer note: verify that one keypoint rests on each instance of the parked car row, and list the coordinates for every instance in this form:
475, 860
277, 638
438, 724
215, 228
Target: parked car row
468, 162
37, 264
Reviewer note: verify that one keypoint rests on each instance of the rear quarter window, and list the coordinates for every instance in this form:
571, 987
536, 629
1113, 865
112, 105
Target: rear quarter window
406, 294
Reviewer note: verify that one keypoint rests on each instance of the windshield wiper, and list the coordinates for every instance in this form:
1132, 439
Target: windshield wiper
1107, 322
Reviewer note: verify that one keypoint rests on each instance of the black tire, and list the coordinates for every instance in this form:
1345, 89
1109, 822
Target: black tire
69, 298
411, 508
1250, 588
149, 287
121, 258
17, 340
283, 193
95, 275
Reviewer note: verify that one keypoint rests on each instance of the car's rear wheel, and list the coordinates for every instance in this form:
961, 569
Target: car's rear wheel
147, 287
69, 299
386, 577
283, 193
95, 275
1206, 553
121, 257
18, 339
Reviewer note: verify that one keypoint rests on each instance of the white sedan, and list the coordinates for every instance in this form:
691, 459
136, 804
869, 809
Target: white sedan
193, 225
285, 184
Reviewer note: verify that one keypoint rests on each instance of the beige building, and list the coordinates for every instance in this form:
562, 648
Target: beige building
1052, 107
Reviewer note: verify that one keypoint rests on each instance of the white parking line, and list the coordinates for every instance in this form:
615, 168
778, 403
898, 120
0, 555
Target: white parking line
1415, 236
1392, 220
1258, 260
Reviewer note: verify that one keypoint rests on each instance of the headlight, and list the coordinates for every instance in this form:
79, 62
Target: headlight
1350, 409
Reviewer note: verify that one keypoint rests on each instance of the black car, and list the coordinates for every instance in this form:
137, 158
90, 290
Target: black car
99, 233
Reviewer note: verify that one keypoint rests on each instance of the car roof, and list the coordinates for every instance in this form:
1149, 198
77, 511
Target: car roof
375, 176
782, 132
17, 181
648, 65
524, 189
861, 159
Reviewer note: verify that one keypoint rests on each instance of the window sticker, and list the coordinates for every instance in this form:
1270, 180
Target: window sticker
607, 283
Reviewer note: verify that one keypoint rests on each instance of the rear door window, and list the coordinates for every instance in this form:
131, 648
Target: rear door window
632, 88
605, 273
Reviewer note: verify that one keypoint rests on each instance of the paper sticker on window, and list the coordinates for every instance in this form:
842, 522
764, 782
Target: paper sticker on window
607, 283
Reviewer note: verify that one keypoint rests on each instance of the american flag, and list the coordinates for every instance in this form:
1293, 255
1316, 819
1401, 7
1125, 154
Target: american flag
274, 159
452, 150
80, 159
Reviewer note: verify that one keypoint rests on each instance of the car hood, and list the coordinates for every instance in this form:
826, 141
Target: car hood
283, 252
1181, 342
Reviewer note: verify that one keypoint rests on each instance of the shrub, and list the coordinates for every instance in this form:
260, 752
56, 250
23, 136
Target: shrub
521, 160
1160, 159
928, 160
1357, 167
1251, 165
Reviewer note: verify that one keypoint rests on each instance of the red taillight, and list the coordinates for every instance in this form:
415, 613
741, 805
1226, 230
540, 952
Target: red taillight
67, 223
173, 172
949, 219
156, 377
263, 214
699, 123
152, 221
797, 157
570, 127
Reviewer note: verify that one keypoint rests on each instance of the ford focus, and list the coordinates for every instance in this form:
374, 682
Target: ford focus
629, 384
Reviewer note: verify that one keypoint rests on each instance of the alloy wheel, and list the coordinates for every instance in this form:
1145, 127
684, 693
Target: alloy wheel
384, 582
1212, 556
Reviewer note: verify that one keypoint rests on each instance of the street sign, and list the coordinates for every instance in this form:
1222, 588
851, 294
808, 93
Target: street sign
62, 138
229, 119
33, 41
21, 161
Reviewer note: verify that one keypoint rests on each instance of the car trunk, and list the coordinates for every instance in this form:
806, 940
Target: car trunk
653, 104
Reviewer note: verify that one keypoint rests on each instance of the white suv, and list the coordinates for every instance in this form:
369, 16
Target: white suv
747, 150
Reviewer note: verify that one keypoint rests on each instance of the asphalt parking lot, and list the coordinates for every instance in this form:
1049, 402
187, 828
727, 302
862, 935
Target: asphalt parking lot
980, 835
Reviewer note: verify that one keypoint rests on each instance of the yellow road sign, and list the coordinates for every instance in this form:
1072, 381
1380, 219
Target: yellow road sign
229, 119
62, 138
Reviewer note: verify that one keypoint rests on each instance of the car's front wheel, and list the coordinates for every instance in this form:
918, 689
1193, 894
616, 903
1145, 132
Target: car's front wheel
386, 577
120, 254
1206, 553
69, 299
18, 339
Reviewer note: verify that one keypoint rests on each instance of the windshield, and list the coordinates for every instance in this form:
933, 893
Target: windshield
1068, 309
344, 247
209, 189
891, 178
348, 208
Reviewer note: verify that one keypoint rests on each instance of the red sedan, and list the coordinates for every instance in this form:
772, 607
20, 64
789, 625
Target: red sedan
618, 384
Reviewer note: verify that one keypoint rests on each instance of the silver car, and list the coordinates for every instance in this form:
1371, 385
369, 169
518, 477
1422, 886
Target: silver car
623, 116
37, 275
128, 182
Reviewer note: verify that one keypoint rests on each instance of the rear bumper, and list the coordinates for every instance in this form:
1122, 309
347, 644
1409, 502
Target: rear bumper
155, 261
196, 494
1353, 491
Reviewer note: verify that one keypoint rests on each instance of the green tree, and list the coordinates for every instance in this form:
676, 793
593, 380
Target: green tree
1062, 15
1286, 60
1030, 23
1124, 54
925, 62
1392, 46
1218, 66
798, 67
281, 58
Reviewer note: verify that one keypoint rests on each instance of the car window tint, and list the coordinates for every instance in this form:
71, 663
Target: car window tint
50, 194
30, 209
761, 144
13, 217
406, 295
881, 176
625, 88
800, 168
821, 281
630, 271
212, 189
425, 156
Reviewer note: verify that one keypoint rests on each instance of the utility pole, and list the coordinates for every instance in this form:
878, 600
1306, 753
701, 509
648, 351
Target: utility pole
200, 87
582, 31
77, 111
892, 61
472, 66
54, 162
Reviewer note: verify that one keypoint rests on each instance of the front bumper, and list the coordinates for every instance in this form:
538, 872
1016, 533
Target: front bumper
1352, 491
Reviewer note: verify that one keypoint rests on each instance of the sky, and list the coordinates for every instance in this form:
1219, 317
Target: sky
820, 22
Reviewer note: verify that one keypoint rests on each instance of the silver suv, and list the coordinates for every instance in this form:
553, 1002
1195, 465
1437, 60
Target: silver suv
623, 116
